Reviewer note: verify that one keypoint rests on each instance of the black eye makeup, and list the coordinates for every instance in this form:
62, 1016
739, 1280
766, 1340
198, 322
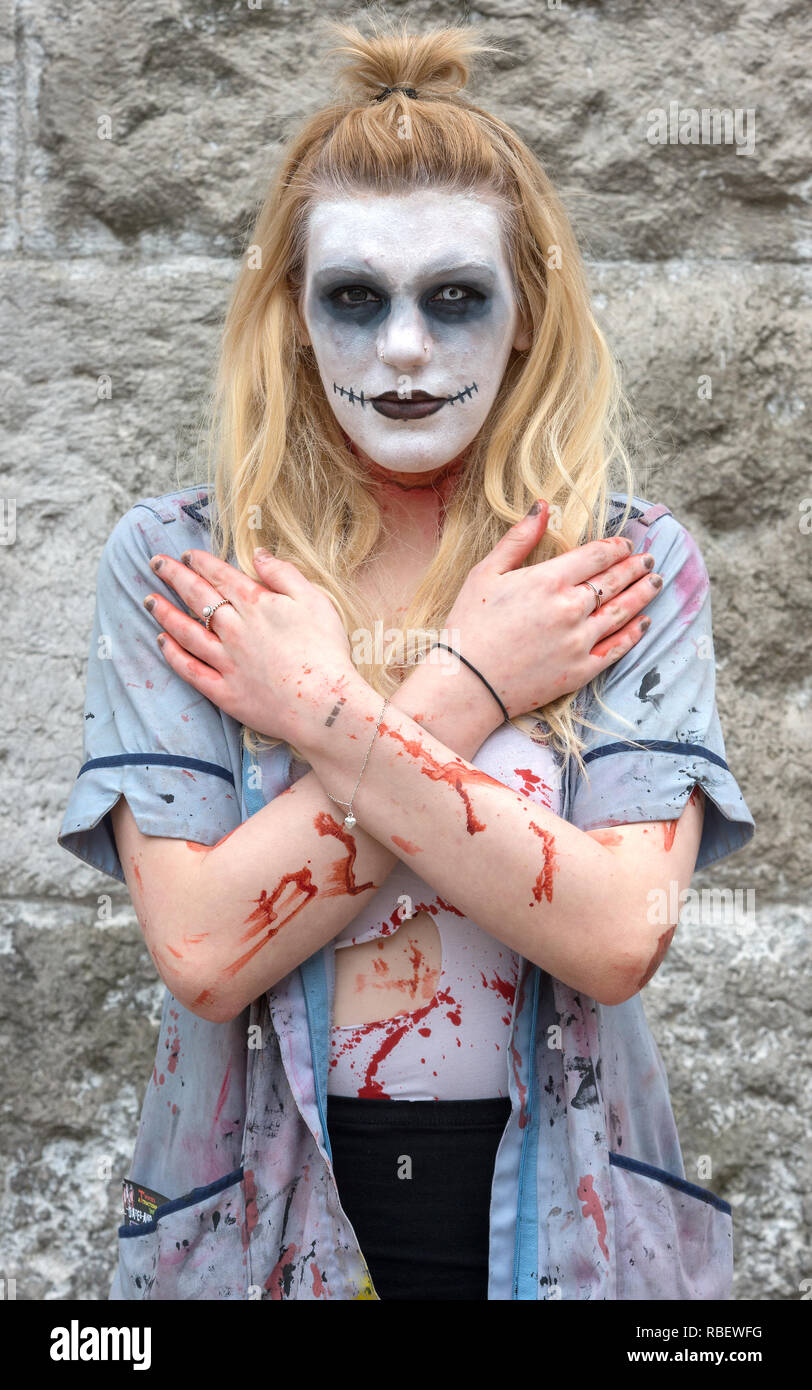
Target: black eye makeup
361, 303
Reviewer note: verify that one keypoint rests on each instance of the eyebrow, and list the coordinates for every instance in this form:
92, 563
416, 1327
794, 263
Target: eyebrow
435, 270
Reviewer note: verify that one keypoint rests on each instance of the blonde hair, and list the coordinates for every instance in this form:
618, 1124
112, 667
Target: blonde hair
285, 478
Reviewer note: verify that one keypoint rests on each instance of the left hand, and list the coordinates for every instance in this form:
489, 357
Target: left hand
275, 658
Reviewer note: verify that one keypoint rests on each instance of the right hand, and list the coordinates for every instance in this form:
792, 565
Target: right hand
533, 631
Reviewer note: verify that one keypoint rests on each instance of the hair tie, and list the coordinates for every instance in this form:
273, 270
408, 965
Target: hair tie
410, 92
473, 668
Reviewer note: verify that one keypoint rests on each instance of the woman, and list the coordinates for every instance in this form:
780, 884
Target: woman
404, 898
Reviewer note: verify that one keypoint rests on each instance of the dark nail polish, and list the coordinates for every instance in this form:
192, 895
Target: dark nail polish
149, 603
535, 509
645, 624
649, 562
656, 580
156, 562
186, 557
161, 638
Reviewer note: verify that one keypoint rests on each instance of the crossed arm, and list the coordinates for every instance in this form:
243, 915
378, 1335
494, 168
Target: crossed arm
224, 923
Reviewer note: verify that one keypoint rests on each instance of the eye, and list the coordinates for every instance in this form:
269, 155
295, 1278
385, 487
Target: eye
451, 294
455, 298
350, 295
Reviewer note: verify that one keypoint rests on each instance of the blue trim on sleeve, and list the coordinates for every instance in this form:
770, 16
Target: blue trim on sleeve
657, 745
646, 1170
161, 759
198, 1194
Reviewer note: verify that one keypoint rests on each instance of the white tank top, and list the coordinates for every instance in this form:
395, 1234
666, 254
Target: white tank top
455, 1045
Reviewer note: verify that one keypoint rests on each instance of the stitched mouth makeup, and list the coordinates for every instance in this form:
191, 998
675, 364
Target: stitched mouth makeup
413, 406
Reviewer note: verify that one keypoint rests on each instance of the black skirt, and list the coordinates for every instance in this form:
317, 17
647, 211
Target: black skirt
414, 1177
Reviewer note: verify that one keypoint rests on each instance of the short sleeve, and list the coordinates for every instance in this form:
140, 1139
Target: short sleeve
148, 734
666, 687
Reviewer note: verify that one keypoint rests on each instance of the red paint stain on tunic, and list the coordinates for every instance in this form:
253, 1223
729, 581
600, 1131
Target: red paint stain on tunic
516, 1059
593, 1210
221, 1099
251, 1213
691, 584
172, 1060
275, 1283
319, 1290
543, 886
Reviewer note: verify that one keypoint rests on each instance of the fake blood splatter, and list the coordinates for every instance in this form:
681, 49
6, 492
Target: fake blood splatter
455, 774
405, 845
607, 837
372, 1088
592, 1209
532, 783
543, 887
264, 915
341, 874
659, 955
669, 831
319, 1290
502, 987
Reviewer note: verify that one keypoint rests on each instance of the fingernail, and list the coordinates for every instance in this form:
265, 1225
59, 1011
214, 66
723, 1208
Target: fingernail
536, 507
648, 562
160, 639
261, 553
149, 603
156, 562
645, 624
186, 557
629, 543
656, 580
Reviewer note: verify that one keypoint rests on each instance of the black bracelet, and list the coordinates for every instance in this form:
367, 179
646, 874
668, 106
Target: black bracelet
476, 673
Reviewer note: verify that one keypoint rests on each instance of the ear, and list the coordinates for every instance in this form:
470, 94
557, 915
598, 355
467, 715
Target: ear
524, 336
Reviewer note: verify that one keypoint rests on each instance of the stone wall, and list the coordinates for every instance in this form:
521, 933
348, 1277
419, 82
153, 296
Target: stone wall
116, 256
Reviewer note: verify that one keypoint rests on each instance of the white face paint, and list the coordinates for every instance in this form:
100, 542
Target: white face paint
410, 296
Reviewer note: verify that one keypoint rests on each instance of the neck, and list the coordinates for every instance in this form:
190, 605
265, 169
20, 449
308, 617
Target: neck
433, 478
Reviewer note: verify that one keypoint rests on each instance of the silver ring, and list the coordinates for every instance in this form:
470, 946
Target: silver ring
211, 609
598, 595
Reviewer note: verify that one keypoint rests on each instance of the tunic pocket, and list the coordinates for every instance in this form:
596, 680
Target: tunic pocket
194, 1247
674, 1240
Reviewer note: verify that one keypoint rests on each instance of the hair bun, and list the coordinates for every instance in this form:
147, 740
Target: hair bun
436, 63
